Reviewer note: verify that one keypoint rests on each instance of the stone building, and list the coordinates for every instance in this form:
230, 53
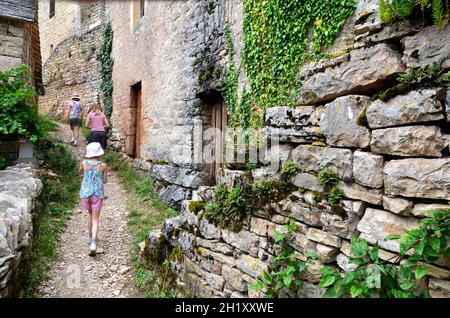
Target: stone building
70, 39
19, 44
391, 156
161, 52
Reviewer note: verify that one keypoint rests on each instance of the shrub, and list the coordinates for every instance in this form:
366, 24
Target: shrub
18, 114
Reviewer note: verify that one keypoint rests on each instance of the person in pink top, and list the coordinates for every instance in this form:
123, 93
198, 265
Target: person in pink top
97, 122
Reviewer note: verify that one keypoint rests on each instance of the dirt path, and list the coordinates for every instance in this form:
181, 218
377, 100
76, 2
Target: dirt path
110, 273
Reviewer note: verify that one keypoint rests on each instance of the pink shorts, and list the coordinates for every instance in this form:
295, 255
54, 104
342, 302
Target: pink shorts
92, 203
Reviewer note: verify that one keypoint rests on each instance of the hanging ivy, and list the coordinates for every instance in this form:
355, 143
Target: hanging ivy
279, 37
107, 63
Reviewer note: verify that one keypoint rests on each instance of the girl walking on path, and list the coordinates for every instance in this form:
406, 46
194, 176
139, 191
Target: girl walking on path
75, 117
97, 122
92, 191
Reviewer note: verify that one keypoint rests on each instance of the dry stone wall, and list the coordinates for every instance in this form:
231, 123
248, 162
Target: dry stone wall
392, 157
19, 188
71, 66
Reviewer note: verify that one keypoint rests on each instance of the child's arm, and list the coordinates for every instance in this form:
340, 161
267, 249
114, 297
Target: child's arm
88, 121
81, 170
105, 174
106, 123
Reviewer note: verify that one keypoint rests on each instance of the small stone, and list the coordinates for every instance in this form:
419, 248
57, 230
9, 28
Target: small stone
410, 141
116, 292
358, 192
368, 169
397, 205
439, 288
339, 122
377, 224
343, 262
418, 178
420, 209
323, 237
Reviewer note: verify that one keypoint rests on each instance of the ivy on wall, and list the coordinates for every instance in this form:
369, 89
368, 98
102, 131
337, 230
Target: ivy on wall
107, 63
279, 37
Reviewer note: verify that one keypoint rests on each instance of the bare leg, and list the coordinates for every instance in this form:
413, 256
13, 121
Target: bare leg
90, 224
95, 221
76, 134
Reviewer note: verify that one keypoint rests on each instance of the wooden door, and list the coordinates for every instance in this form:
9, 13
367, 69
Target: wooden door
219, 122
138, 135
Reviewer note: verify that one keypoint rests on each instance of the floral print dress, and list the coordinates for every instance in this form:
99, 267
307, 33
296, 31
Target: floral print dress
92, 181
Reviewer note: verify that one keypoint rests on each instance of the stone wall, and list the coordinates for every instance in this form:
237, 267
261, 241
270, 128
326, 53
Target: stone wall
392, 157
167, 50
72, 66
19, 188
55, 30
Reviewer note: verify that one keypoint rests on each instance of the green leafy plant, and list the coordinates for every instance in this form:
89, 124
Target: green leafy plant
290, 169
18, 112
230, 208
276, 45
284, 277
386, 11
392, 278
328, 178
107, 63
3, 163
419, 75
392, 9
439, 17
335, 195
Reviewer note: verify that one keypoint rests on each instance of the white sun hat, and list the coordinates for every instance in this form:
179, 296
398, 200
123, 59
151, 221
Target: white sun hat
94, 149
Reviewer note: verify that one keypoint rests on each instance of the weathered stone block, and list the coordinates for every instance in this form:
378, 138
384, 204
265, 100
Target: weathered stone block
365, 72
415, 107
228, 260
181, 176
261, 227
397, 205
377, 224
209, 230
343, 262
431, 44
323, 237
243, 240
300, 211
307, 181
420, 209
339, 122
342, 221
251, 266
288, 116
358, 192
439, 288
368, 169
411, 141
420, 178
315, 159
234, 277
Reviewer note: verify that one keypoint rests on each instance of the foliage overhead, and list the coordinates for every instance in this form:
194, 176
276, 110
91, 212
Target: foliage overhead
107, 64
18, 114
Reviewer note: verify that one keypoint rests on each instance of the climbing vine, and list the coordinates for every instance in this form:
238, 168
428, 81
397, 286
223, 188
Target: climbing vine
390, 10
279, 37
107, 63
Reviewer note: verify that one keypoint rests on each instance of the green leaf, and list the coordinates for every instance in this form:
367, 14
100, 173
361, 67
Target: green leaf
420, 272
327, 281
359, 247
374, 253
392, 237
435, 243
407, 284
356, 291
279, 236
357, 261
